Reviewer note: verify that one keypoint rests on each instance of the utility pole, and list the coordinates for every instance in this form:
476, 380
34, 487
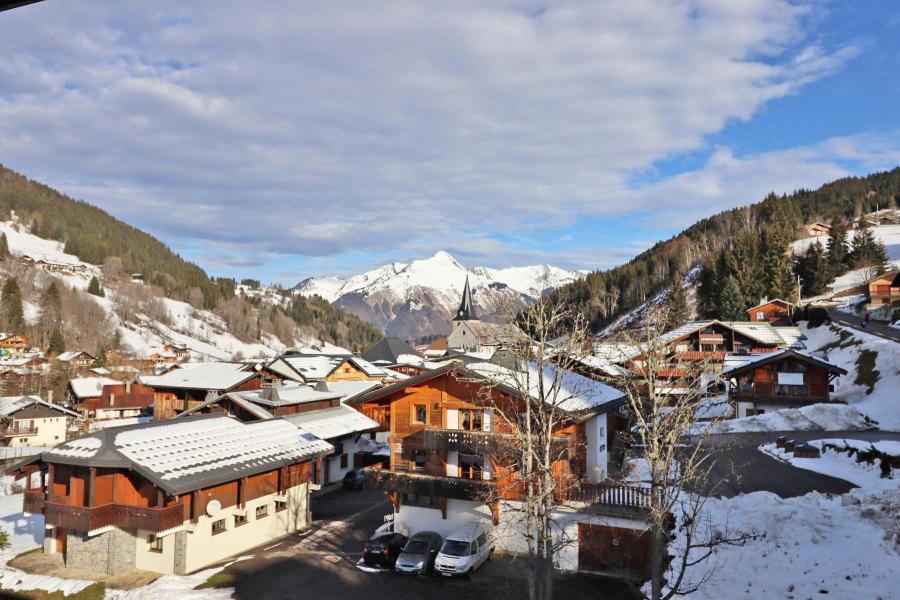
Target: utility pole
798, 291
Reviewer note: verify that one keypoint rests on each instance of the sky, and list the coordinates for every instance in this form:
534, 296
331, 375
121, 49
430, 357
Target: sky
280, 140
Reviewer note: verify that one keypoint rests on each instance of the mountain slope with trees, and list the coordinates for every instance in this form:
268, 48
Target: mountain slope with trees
744, 252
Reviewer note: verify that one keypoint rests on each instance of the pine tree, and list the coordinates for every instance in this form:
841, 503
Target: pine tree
838, 250
4, 246
57, 343
11, 303
731, 301
814, 271
95, 288
778, 275
868, 251
677, 310
708, 290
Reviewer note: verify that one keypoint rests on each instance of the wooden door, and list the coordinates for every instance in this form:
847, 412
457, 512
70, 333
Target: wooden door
61, 535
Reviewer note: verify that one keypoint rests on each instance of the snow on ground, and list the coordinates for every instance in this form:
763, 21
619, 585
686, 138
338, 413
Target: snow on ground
806, 547
840, 465
889, 234
175, 586
883, 403
816, 417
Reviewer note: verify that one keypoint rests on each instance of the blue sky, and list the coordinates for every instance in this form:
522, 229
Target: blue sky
279, 141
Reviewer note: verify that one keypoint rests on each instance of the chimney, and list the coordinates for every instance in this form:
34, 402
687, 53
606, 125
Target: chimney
112, 399
128, 386
50, 396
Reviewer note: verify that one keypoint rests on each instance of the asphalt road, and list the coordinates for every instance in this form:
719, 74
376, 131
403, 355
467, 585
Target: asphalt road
321, 564
740, 468
879, 328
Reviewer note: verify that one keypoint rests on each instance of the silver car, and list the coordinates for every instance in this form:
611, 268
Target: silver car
419, 553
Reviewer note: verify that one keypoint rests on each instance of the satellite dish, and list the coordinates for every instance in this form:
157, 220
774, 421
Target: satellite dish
213, 507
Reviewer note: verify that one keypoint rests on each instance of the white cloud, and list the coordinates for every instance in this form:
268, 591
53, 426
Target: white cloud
328, 127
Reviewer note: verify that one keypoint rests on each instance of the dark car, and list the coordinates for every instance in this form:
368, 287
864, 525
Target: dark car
354, 480
419, 553
382, 549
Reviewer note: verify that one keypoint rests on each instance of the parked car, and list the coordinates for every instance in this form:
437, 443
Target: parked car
382, 549
464, 551
355, 479
419, 553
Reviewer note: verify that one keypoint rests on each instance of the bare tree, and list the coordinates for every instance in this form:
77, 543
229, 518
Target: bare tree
527, 389
673, 412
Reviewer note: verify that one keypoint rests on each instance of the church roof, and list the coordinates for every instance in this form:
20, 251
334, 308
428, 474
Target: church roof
466, 310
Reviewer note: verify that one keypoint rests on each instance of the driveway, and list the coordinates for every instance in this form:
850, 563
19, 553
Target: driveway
741, 468
321, 564
879, 328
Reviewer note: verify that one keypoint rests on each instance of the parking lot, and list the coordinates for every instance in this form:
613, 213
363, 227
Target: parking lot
321, 564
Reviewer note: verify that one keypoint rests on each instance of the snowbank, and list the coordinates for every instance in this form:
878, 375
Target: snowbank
837, 464
816, 417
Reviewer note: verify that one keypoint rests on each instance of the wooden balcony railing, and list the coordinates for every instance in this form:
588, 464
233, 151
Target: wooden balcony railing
20, 431
436, 486
130, 518
480, 443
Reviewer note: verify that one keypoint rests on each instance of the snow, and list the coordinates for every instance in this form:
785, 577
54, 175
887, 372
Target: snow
23, 243
882, 404
440, 273
176, 586
201, 376
840, 465
806, 547
815, 417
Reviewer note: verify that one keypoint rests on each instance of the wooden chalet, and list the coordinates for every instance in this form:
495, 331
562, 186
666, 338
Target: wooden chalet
171, 497
77, 359
883, 293
787, 378
303, 368
123, 399
817, 229
191, 384
450, 458
13, 342
776, 312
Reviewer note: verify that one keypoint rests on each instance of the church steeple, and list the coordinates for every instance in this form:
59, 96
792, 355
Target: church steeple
466, 311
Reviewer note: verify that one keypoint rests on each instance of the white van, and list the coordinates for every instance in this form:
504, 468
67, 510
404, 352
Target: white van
464, 551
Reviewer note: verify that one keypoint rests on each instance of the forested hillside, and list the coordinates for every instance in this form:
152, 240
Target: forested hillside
744, 252
96, 237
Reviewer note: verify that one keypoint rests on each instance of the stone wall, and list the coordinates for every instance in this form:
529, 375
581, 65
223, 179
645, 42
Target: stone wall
110, 553
181, 553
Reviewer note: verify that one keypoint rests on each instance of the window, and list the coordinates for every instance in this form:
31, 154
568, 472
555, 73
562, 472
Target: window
471, 420
343, 461
420, 460
218, 526
760, 316
280, 505
155, 544
419, 413
421, 500
262, 511
240, 520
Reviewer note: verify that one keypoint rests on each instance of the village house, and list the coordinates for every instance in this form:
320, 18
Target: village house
305, 368
783, 379
31, 421
84, 390
776, 312
318, 411
473, 335
190, 384
883, 295
817, 229
13, 343
450, 463
77, 359
390, 351
120, 400
171, 497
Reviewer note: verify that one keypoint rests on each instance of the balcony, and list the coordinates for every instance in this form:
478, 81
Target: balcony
479, 443
20, 432
407, 482
130, 518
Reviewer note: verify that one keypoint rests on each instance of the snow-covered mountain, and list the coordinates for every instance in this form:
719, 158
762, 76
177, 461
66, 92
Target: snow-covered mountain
415, 299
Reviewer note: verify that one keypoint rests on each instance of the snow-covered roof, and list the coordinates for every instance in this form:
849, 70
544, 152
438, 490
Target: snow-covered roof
90, 387
182, 455
312, 367
67, 356
348, 388
760, 331
10, 405
566, 390
287, 394
321, 348
334, 422
100, 371
201, 376
772, 301
737, 364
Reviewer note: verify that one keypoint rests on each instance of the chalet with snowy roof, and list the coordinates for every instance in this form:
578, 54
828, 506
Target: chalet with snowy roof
172, 496
451, 465
317, 410
120, 400
783, 379
190, 384
883, 294
775, 311
313, 368
13, 342
77, 359
84, 390
31, 421
388, 351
